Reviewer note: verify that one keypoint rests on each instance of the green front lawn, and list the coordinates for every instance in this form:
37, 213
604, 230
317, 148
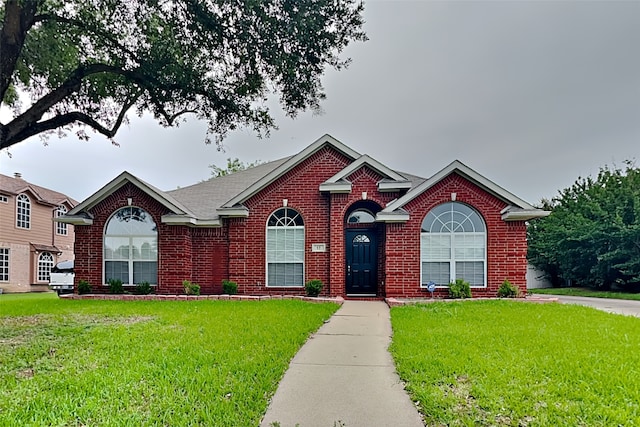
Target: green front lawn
518, 364
585, 292
112, 363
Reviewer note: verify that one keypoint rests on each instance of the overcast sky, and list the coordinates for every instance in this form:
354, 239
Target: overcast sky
529, 94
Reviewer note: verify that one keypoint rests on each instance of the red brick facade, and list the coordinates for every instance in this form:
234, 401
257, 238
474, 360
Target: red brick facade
236, 250
506, 241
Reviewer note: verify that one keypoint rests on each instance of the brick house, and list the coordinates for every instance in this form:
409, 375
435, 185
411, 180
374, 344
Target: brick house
31, 243
326, 213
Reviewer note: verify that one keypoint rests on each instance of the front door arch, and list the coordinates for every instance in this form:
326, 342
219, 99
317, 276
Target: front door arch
361, 255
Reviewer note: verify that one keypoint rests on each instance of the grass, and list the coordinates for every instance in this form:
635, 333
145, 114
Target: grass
146, 363
586, 292
509, 363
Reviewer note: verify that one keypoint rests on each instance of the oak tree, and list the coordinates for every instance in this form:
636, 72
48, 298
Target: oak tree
83, 64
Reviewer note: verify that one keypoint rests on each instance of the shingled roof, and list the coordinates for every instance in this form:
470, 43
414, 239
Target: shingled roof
12, 186
205, 204
204, 198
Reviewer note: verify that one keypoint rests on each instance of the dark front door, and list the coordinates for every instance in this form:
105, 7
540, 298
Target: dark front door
362, 262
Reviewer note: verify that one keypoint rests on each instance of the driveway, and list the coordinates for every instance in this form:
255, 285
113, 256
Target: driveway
620, 306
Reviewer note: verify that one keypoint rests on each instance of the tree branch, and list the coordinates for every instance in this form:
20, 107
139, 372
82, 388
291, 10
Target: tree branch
71, 117
27, 122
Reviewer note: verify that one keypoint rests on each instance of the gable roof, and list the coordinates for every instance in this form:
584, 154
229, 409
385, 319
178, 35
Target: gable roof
290, 163
517, 209
78, 214
14, 186
206, 197
392, 181
205, 204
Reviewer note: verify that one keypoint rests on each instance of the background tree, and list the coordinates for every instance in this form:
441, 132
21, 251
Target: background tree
77, 64
592, 236
233, 165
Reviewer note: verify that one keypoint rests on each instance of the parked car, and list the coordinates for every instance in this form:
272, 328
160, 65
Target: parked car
61, 278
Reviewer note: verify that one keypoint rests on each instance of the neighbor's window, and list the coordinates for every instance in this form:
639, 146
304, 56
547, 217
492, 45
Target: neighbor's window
45, 264
23, 211
131, 247
453, 245
285, 248
61, 227
4, 264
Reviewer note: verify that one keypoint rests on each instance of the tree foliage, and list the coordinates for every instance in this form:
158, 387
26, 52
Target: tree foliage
592, 236
233, 165
77, 64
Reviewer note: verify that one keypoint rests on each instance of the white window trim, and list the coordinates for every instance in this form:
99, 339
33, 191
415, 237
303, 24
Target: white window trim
61, 227
4, 199
452, 259
266, 251
8, 265
28, 215
41, 266
130, 260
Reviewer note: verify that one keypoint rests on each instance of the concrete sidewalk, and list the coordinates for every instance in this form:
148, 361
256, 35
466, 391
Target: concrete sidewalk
344, 376
619, 306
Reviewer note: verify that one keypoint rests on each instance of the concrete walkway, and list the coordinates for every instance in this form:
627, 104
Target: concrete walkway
344, 376
620, 306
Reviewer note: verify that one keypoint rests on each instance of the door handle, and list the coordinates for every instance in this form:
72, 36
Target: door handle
349, 269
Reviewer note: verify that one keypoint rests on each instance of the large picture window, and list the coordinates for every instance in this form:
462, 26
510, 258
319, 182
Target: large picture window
23, 211
453, 245
131, 247
285, 248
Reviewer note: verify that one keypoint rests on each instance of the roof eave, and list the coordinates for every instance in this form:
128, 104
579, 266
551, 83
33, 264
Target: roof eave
391, 186
74, 219
190, 221
234, 212
524, 215
392, 217
336, 187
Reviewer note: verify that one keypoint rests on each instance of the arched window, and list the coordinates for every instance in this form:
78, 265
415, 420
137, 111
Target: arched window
23, 211
453, 245
45, 264
285, 248
360, 216
61, 227
131, 247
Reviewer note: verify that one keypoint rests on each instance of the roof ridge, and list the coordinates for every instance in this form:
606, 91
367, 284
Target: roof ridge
42, 193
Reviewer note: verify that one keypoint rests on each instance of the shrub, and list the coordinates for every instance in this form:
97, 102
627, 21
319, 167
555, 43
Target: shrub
459, 289
313, 287
115, 286
143, 288
507, 290
229, 287
191, 288
84, 287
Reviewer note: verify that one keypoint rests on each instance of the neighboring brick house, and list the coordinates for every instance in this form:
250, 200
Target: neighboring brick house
31, 243
326, 213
